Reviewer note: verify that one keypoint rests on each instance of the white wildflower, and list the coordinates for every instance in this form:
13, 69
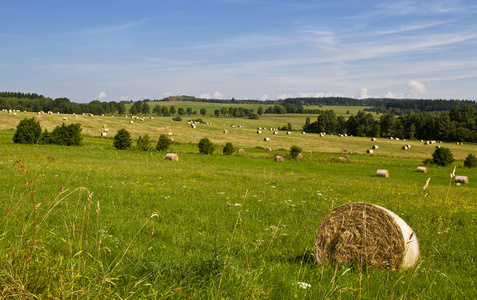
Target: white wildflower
304, 285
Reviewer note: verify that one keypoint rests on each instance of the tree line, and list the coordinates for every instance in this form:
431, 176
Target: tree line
459, 124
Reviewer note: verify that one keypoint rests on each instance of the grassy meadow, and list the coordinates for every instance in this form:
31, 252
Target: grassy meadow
95, 222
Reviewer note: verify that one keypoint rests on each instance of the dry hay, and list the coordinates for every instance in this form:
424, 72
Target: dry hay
225, 131
299, 155
366, 234
344, 150
266, 139
421, 169
375, 147
462, 179
241, 151
172, 156
369, 151
268, 149
279, 158
382, 173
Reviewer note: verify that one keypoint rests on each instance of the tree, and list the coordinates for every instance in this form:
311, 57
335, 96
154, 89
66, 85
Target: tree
189, 110
163, 143
228, 149
165, 111
217, 112
172, 110
223, 110
122, 140
260, 111
144, 143
442, 157
121, 108
294, 151
145, 109
67, 135
28, 131
157, 110
181, 111
203, 111
206, 146
470, 161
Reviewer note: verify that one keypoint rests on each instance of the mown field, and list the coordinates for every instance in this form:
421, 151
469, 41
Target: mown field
96, 222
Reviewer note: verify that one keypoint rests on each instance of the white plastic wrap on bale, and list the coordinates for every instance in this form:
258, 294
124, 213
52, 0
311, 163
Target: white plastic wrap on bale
172, 157
422, 169
462, 179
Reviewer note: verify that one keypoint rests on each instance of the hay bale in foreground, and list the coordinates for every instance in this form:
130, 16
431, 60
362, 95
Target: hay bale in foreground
172, 156
421, 169
382, 173
462, 179
279, 158
366, 234
241, 151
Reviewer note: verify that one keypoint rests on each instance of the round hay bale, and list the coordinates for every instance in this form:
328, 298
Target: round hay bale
346, 156
104, 134
299, 155
404, 148
369, 151
241, 151
266, 139
382, 173
344, 150
258, 132
268, 149
375, 147
279, 158
462, 179
225, 131
437, 147
421, 169
172, 156
373, 139
366, 234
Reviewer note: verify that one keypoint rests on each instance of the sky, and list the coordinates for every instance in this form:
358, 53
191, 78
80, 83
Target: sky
246, 49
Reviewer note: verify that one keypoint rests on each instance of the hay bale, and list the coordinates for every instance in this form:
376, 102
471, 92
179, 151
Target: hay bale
345, 150
131, 122
369, 151
346, 156
375, 147
105, 129
382, 173
373, 139
65, 119
241, 151
103, 134
169, 133
266, 139
404, 147
172, 157
225, 131
268, 149
366, 234
421, 169
299, 155
461, 179
279, 158
258, 132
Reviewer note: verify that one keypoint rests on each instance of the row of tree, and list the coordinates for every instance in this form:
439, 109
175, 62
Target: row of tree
459, 124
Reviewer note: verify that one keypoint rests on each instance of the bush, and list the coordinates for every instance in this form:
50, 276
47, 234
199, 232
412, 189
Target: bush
66, 135
294, 151
122, 140
163, 143
28, 131
228, 149
178, 118
206, 146
470, 161
442, 157
144, 143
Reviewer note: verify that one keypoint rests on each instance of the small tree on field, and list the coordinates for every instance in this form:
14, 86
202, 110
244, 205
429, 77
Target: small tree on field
442, 157
163, 143
28, 131
206, 146
203, 111
294, 151
470, 161
122, 140
228, 149
66, 135
144, 143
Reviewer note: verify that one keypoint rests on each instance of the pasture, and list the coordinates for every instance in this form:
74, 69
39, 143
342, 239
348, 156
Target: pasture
96, 222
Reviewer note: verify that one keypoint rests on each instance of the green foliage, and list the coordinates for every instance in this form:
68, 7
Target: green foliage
163, 143
203, 111
294, 151
470, 161
178, 118
206, 146
228, 149
144, 143
442, 157
122, 140
65, 135
28, 131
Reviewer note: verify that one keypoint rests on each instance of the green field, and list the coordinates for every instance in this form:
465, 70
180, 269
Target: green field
102, 223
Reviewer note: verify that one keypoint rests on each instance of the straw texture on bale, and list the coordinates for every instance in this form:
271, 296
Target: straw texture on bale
279, 158
172, 156
241, 151
462, 179
422, 169
366, 234
382, 173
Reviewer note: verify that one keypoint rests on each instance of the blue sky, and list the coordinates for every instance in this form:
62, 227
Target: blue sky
246, 49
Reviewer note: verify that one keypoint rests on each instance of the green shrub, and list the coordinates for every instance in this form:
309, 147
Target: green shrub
28, 131
122, 140
442, 157
228, 149
144, 143
178, 118
206, 146
470, 161
66, 135
163, 143
294, 151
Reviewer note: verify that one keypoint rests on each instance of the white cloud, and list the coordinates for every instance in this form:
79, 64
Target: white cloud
265, 97
416, 88
218, 95
364, 93
123, 98
102, 95
205, 96
167, 94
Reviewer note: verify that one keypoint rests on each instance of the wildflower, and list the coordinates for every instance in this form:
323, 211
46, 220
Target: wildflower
427, 184
304, 285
